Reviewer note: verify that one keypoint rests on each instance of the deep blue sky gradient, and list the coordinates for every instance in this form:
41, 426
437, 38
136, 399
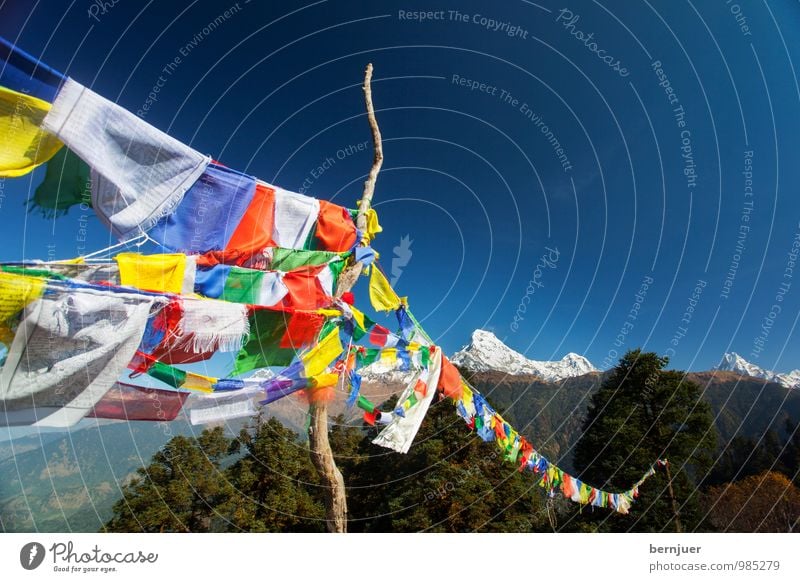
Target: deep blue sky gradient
275, 91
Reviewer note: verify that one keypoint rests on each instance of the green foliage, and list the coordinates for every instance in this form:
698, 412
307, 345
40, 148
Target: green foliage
450, 481
180, 490
276, 485
642, 413
269, 485
747, 456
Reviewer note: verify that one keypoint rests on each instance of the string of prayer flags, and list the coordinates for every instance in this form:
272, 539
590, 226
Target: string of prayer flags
305, 288
479, 416
293, 379
490, 426
174, 377
70, 347
139, 174
26, 144
129, 402
24, 73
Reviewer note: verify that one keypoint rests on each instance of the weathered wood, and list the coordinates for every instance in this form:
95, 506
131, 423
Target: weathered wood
673, 502
321, 452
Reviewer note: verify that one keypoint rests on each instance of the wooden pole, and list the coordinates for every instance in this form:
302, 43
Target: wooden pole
321, 452
673, 502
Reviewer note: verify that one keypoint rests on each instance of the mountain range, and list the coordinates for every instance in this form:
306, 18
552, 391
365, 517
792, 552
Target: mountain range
70, 481
733, 362
486, 352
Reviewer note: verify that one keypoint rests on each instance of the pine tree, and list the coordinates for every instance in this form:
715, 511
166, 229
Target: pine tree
180, 491
450, 481
277, 489
641, 413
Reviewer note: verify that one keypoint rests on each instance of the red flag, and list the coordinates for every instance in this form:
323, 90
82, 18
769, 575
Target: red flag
382, 337
335, 228
302, 329
129, 402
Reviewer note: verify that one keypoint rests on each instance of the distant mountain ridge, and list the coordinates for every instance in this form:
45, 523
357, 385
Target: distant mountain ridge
69, 482
486, 353
733, 362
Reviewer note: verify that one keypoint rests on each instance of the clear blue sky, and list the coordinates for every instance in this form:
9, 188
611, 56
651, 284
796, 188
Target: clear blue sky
472, 175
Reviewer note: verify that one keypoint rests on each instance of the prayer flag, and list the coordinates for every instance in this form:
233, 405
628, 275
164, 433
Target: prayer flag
318, 358
25, 143
139, 174
381, 294
450, 380
262, 348
163, 273
129, 402
67, 183
209, 212
335, 230
69, 349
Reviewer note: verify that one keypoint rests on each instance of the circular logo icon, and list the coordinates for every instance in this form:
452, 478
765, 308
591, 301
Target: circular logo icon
31, 555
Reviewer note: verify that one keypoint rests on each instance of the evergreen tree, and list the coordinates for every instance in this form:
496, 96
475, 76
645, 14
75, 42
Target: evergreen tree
450, 481
180, 491
276, 486
642, 413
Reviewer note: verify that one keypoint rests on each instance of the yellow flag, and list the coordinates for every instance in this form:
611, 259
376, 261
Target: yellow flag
198, 382
388, 357
152, 272
24, 145
16, 291
358, 315
373, 226
466, 395
381, 294
324, 380
321, 355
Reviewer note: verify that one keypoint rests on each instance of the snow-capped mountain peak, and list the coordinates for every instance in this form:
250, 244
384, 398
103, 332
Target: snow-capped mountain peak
733, 362
487, 352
